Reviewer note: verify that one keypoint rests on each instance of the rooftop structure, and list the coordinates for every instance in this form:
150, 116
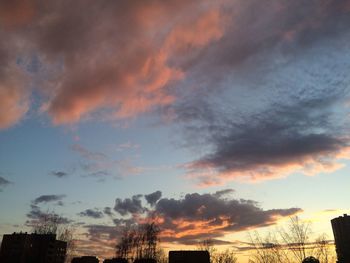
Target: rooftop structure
38, 248
341, 232
85, 259
189, 256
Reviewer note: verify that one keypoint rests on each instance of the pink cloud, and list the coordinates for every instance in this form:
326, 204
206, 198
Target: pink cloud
14, 102
206, 174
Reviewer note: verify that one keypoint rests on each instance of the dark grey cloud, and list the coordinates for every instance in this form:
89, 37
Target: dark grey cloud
98, 231
153, 197
127, 223
239, 212
108, 211
37, 215
59, 174
223, 192
48, 198
215, 214
131, 205
255, 28
248, 246
93, 213
196, 217
279, 112
35, 212
4, 182
306, 136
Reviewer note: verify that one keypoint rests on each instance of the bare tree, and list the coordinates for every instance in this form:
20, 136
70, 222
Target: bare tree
47, 223
208, 245
150, 233
140, 242
51, 223
227, 256
126, 243
296, 237
161, 256
293, 245
324, 250
267, 249
66, 233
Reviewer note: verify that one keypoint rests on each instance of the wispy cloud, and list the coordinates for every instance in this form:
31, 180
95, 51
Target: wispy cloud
48, 198
4, 182
36, 215
59, 174
101, 166
85, 153
93, 213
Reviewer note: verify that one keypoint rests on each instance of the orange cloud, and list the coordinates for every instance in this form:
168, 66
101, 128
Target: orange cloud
133, 79
16, 12
207, 175
14, 103
208, 27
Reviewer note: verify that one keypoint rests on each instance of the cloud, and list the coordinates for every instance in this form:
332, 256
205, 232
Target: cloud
108, 211
59, 174
14, 102
48, 198
187, 220
223, 192
100, 165
282, 106
274, 143
16, 12
102, 240
36, 215
127, 146
93, 213
131, 205
14, 95
195, 217
118, 80
153, 197
85, 153
201, 216
4, 182
222, 69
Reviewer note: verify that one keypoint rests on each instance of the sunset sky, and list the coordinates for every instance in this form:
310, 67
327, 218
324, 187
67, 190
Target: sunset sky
211, 117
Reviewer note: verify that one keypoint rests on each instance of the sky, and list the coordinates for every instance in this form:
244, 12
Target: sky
214, 118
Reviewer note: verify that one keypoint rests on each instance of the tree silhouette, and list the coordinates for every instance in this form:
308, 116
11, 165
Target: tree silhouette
293, 245
139, 242
51, 223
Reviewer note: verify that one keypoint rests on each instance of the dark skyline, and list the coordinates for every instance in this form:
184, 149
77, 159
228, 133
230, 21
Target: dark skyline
214, 118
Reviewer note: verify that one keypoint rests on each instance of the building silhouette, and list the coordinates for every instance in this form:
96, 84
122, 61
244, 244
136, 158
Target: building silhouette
311, 260
341, 232
116, 260
85, 259
145, 260
32, 248
189, 256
